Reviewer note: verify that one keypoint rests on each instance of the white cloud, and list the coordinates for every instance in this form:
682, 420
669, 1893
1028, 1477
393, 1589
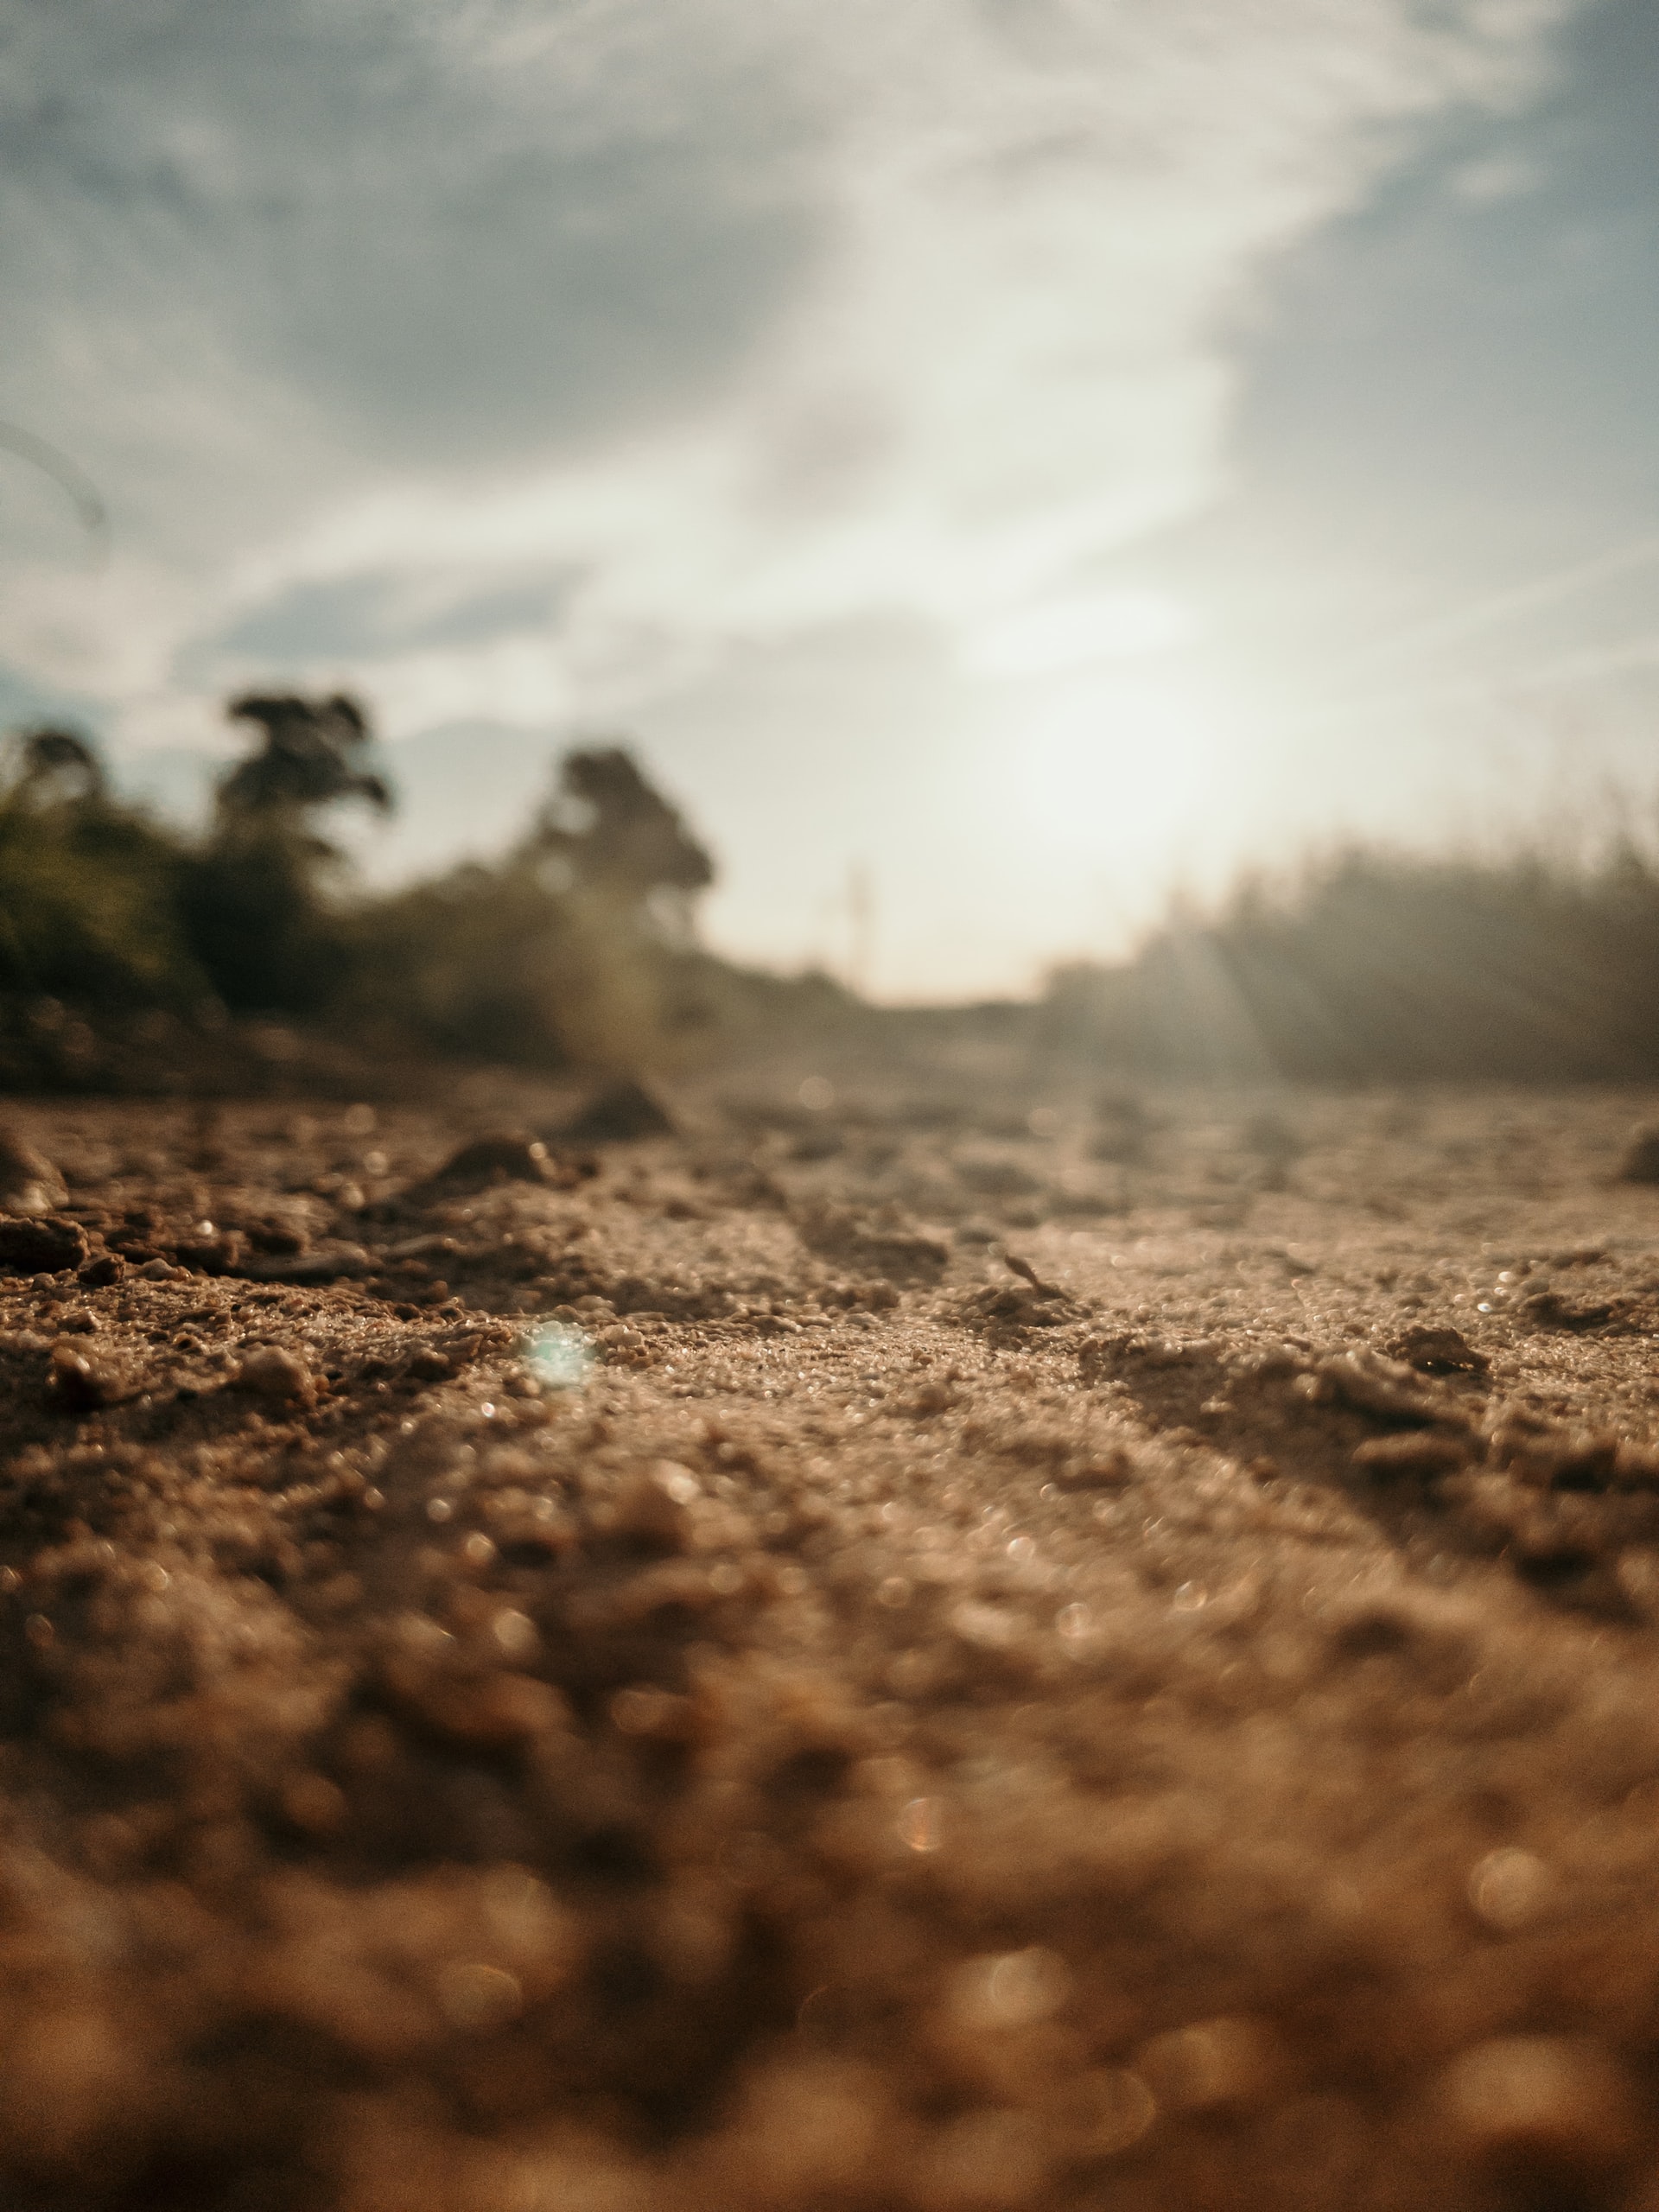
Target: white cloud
717, 326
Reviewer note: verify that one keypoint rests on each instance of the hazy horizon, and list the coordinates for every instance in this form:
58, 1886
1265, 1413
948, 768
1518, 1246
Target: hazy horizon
1032, 454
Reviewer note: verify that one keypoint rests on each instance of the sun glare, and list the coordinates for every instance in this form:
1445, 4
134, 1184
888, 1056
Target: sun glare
1081, 629
1119, 763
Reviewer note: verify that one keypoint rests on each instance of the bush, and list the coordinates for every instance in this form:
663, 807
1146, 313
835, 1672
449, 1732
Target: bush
576, 949
88, 885
261, 902
1380, 967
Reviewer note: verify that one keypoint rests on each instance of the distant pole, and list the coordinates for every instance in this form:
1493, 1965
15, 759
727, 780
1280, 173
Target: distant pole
861, 918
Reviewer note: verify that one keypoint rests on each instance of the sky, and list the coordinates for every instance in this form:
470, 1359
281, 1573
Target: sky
1005, 460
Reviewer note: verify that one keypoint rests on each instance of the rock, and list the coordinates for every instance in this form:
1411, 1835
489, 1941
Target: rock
278, 1238
622, 1115
78, 1381
654, 1507
29, 1184
211, 1253
38, 1246
1437, 1351
270, 1372
498, 1159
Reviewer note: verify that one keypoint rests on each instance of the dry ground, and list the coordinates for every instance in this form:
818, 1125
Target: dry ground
1099, 1658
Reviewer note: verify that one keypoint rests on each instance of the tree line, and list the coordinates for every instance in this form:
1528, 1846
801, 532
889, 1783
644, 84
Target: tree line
575, 947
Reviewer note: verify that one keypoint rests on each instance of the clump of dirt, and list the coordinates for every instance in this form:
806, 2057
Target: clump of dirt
623, 1114
718, 1681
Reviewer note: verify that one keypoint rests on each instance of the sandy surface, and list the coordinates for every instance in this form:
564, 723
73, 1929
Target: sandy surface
1171, 1723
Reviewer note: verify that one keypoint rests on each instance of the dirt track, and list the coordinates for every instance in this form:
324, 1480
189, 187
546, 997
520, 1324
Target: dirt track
901, 1729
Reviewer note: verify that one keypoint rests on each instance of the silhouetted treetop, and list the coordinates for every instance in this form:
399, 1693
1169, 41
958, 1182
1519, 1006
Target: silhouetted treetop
311, 755
612, 834
51, 767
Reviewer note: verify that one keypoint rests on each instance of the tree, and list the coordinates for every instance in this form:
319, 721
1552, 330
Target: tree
611, 837
51, 767
310, 758
256, 899
574, 949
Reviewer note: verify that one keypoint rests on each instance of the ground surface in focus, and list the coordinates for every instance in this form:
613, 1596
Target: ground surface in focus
936, 1715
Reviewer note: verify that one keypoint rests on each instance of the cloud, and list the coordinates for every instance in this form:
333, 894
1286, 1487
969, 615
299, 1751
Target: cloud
536, 356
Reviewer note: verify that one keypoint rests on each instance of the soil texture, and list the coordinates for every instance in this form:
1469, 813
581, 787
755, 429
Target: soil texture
877, 1648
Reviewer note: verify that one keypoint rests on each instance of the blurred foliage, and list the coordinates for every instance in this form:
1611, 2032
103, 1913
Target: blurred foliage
1389, 966
261, 900
88, 884
576, 949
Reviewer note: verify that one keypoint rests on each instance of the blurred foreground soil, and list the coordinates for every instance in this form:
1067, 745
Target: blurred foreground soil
881, 1653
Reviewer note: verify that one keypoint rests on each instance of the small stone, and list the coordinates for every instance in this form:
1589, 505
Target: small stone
991, 2161
515, 1635
218, 1253
622, 1115
658, 1715
38, 1245
1108, 1470
278, 1238
500, 1158
653, 1509
270, 1372
76, 1382
1437, 1351
1106, 2110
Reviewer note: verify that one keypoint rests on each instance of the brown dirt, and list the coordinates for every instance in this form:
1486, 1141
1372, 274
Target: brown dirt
1113, 1666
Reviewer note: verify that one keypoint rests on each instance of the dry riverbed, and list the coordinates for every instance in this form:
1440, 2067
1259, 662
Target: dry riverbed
883, 1653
